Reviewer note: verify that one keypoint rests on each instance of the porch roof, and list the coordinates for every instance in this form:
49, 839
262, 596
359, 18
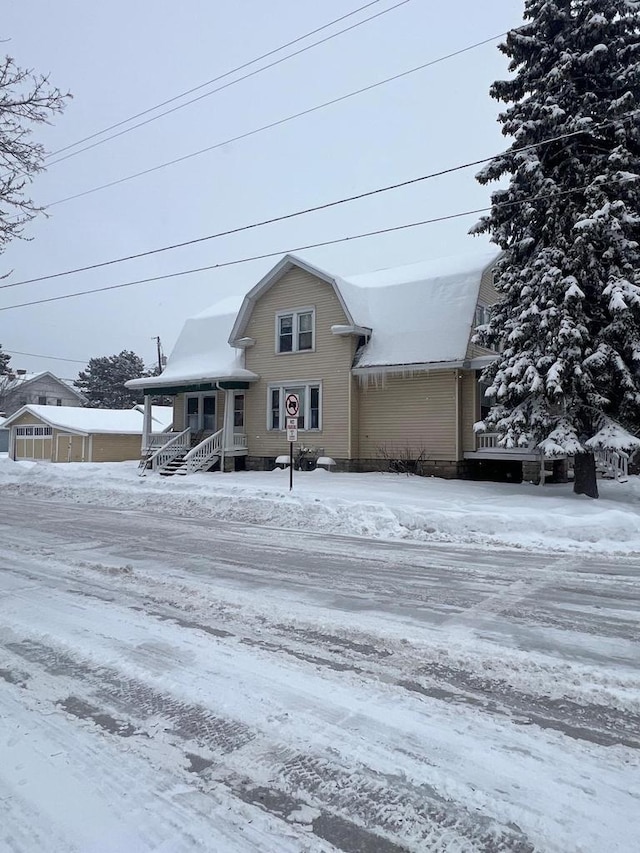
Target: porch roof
201, 354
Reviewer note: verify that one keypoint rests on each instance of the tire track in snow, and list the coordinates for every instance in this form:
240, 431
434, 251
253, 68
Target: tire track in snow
357, 808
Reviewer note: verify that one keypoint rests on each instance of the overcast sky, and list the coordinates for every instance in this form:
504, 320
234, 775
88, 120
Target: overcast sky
120, 58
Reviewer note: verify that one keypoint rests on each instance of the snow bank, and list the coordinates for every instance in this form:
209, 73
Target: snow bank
372, 505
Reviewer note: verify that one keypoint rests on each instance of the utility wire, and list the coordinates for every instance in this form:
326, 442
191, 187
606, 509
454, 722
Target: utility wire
327, 205
280, 252
228, 84
50, 357
273, 124
213, 80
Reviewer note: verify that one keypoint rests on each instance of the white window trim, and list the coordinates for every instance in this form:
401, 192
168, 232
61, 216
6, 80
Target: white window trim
295, 312
200, 395
486, 311
43, 431
301, 383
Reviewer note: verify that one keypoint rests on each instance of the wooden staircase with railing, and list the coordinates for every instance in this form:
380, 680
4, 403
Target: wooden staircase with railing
177, 456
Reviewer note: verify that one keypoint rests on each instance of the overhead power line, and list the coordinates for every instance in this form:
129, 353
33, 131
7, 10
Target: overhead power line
228, 84
49, 357
335, 241
213, 80
307, 210
277, 123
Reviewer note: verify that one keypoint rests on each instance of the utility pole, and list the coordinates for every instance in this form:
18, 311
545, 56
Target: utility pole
160, 356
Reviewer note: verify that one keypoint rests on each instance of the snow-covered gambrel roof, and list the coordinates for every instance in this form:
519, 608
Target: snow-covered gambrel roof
417, 314
81, 421
414, 315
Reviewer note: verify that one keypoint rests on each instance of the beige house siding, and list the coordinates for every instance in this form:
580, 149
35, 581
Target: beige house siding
114, 448
470, 412
178, 413
416, 413
488, 296
329, 364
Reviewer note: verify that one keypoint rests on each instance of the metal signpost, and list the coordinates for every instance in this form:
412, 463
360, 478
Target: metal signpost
292, 407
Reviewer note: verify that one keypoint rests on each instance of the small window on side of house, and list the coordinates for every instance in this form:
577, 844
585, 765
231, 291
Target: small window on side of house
58, 402
42, 401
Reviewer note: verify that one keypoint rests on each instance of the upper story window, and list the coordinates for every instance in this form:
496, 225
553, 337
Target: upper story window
295, 330
42, 401
483, 315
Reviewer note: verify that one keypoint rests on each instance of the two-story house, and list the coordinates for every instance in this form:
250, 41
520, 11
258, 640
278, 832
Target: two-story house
41, 389
383, 365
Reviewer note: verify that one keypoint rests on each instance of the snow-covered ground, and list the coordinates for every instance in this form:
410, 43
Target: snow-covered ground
379, 505
175, 678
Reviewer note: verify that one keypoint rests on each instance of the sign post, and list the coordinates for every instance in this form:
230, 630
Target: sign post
292, 407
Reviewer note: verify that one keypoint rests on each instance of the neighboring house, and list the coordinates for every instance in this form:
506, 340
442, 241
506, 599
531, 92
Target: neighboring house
4, 436
42, 389
72, 434
383, 364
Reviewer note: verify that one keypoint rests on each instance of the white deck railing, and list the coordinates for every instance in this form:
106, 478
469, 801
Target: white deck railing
486, 440
614, 463
205, 453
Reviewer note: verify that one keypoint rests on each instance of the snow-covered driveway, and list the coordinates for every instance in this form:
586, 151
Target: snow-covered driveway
185, 684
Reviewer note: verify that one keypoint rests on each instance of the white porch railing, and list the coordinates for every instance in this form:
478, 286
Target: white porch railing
174, 447
204, 454
240, 441
156, 440
614, 463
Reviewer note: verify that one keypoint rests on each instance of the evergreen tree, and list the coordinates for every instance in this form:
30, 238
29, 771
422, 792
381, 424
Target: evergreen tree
568, 321
102, 382
5, 358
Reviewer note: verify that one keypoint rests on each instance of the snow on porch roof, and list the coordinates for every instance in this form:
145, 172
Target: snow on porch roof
419, 314
86, 421
202, 353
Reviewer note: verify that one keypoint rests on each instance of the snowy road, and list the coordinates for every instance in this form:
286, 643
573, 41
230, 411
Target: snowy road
180, 685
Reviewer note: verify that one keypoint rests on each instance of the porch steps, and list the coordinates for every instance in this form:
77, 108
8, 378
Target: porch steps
180, 466
177, 465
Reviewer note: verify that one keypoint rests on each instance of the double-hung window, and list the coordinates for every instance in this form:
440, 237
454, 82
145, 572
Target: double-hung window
295, 330
483, 315
310, 414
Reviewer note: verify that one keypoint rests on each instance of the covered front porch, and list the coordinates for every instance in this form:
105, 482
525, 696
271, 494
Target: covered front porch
208, 428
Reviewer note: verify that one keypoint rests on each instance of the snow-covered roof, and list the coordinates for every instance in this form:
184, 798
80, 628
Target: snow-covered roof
419, 314
21, 379
162, 416
202, 352
85, 421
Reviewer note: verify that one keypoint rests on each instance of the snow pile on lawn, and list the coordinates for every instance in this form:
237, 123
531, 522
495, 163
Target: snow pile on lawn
372, 505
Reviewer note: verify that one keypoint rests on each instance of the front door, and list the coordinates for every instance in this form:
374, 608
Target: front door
201, 412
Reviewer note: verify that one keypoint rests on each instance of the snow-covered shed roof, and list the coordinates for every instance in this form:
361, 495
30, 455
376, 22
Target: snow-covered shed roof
418, 314
162, 416
86, 421
202, 352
